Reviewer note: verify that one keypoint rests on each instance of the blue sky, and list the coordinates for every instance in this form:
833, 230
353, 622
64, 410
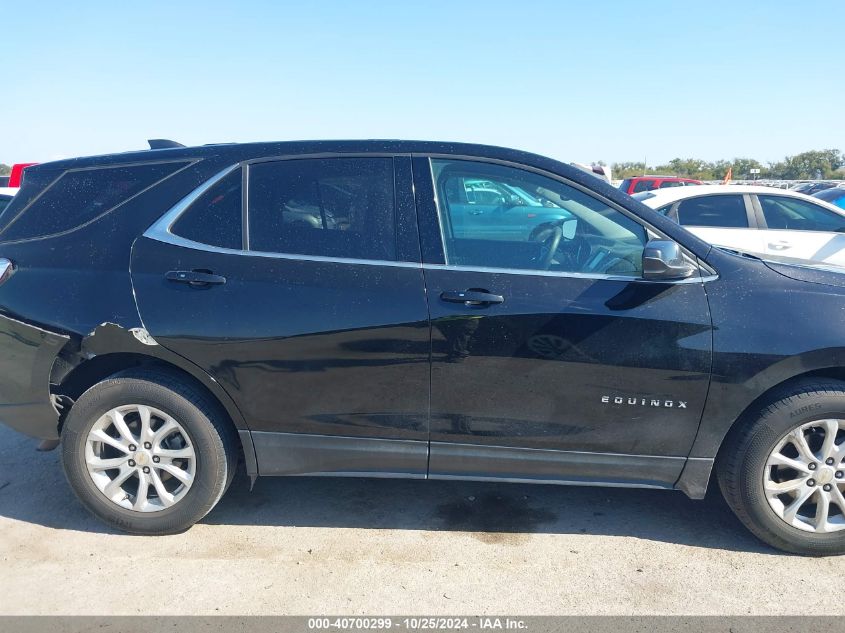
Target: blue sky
578, 81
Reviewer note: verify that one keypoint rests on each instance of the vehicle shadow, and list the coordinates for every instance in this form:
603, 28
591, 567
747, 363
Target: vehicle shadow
33, 489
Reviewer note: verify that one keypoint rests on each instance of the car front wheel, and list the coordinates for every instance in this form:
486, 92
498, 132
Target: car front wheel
147, 452
783, 472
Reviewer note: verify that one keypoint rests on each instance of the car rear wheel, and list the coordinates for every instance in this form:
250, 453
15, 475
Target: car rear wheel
783, 473
147, 452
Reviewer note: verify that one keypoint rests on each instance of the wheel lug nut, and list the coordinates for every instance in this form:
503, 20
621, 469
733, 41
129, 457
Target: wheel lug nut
812, 466
131, 463
146, 469
811, 482
839, 474
156, 459
827, 487
133, 448
147, 445
829, 461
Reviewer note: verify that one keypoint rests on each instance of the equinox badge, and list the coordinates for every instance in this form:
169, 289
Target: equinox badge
644, 402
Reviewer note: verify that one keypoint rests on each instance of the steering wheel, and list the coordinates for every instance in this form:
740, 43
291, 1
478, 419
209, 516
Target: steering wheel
549, 237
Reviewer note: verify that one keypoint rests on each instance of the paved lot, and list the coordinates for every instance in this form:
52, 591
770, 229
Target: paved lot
314, 546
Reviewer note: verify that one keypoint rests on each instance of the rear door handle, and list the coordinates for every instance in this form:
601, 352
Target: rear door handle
471, 297
196, 278
779, 246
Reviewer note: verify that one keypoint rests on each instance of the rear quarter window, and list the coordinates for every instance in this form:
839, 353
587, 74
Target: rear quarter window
215, 218
80, 196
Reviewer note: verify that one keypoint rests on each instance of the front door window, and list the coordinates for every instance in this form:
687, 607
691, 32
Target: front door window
493, 216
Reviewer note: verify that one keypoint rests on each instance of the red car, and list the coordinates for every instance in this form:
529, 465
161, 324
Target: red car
646, 183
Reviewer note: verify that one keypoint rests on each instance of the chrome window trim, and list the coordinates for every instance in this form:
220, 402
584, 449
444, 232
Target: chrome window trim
175, 240
161, 231
564, 274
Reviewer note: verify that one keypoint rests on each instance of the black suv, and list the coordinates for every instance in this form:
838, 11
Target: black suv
360, 308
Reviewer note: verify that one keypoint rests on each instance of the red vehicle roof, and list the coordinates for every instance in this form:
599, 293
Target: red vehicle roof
657, 181
16, 176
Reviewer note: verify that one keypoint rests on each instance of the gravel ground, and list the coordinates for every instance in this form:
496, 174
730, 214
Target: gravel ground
343, 546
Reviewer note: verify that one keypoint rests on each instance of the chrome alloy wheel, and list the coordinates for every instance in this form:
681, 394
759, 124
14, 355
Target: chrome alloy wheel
804, 477
140, 458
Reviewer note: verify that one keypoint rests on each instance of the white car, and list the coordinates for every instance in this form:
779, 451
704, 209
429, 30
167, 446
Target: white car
6, 194
756, 219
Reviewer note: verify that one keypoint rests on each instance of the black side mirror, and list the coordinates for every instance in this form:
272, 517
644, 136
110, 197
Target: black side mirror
663, 259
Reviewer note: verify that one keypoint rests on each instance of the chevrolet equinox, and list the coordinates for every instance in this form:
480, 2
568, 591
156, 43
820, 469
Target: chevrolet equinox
407, 309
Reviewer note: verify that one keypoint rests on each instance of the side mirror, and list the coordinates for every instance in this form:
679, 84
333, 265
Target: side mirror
663, 259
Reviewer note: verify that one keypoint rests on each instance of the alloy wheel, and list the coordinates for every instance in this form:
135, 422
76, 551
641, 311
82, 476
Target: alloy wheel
804, 477
140, 458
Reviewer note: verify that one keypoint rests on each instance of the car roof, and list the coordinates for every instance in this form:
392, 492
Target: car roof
660, 197
649, 176
231, 153
672, 194
245, 151
831, 192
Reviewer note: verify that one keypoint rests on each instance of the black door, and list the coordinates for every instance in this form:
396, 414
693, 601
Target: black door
314, 321
551, 358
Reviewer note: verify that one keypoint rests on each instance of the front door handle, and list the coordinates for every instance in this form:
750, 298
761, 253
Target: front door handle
471, 297
779, 246
196, 278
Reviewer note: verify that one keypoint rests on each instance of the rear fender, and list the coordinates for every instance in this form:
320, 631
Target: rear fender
112, 339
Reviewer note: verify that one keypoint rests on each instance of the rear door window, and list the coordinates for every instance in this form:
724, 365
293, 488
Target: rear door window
327, 207
723, 210
783, 212
80, 196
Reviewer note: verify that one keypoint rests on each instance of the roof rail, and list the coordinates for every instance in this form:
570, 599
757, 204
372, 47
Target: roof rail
163, 143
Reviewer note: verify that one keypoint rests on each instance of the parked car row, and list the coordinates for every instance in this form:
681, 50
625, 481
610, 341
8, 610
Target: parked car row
814, 187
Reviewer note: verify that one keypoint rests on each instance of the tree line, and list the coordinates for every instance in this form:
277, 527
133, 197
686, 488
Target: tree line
811, 165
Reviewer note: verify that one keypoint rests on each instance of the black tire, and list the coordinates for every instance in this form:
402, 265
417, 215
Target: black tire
741, 466
211, 433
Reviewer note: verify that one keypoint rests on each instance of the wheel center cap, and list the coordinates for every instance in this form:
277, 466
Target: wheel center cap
141, 458
825, 476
